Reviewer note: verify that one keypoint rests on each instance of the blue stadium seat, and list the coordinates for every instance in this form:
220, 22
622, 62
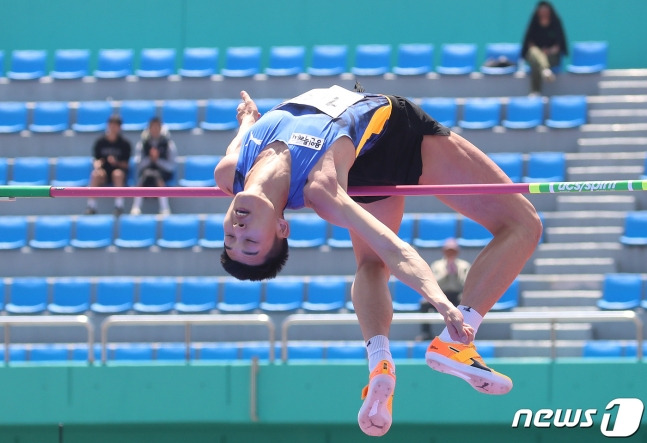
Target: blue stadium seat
30, 171
240, 296
435, 229
631, 350
220, 115
283, 294
399, 350
114, 63
92, 116
199, 62
114, 295
93, 231
588, 57
135, 114
28, 295
259, 350
309, 351
71, 63
136, 231
545, 167
156, 295
566, 111
174, 352
635, 229
473, 235
264, 105
51, 232
242, 61
509, 52
374, 59
405, 299
2, 294
602, 349
419, 349
406, 227
70, 296
328, 60
13, 117
339, 238
48, 353
220, 351
486, 349
80, 352
509, 299
179, 231
72, 171
307, 231
286, 60
197, 294
17, 353
28, 64
180, 115
621, 291
13, 232
156, 62
213, 232
511, 163
198, 170
414, 59
50, 117
3, 171
524, 113
345, 352
325, 294
480, 113
442, 109
457, 59
131, 352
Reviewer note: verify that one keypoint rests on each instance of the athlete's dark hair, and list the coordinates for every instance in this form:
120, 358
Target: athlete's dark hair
267, 270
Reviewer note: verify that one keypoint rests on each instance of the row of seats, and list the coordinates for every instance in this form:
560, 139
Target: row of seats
197, 170
562, 111
111, 295
324, 60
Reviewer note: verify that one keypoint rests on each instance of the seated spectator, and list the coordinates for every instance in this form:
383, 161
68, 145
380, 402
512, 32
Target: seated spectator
111, 155
155, 158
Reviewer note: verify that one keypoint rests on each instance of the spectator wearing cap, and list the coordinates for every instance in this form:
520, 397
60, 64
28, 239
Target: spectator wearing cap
111, 155
450, 272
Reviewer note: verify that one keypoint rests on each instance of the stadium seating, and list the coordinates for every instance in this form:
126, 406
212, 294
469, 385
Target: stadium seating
28, 295
442, 109
307, 231
156, 62
305, 352
286, 60
13, 117
51, 232
435, 229
180, 115
198, 170
213, 232
345, 352
339, 238
197, 294
220, 351
174, 352
566, 111
72, 171
511, 163
240, 296
92, 116
472, 234
480, 113
524, 113
405, 299
588, 57
602, 349
179, 231
635, 229
545, 167
406, 227
17, 353
156, 295
261, 351
621, 291
199, 62
13, 232
328, 60
135, 114
220, 115
283, 295
414, 59
93, 231
242, 61
114, 63
70, 296
373, 59
509, 299
114, 295
457, 59
136, 231
131, 352
28, 64
49, 353
325, 294
50, 117
508, 52
71, 63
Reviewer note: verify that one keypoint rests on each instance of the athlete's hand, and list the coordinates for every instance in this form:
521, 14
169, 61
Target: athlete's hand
457, 329
247, 109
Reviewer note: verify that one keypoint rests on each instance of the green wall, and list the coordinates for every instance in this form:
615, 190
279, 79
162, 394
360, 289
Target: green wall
46, 24
298, 402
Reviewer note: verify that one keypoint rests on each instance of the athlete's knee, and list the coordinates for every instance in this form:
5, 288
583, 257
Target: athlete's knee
373, 268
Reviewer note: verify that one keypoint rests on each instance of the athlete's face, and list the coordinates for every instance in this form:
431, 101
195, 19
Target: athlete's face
252, 229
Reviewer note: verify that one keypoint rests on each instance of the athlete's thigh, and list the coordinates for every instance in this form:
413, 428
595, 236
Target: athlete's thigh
454, 160
389, 211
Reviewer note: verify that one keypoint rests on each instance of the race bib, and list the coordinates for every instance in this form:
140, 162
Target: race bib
332, 101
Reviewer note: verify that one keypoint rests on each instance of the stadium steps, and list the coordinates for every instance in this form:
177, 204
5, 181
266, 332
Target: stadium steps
590, 265
617, 143
561, 298
594, 173
542, 331
577, 250
593, 202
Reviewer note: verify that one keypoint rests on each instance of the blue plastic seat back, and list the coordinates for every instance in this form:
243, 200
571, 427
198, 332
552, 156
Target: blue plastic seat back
602, 349
545, 167
180, 115
414, 59
305, 351
28, 295
198, 294
156, 62
326, 293
261, 351
220, 351
132, 352
328, 60
135, 114
49, 353
283, 294
481, 113
136, 231
50, 117
220, 115
435, 229
13, 117
635, 228
405, 232
473, 234
345, 352
242, 61
213, 232
588, 57
13, 232
457, 58
567, 111
405, 298
114, 63
93, 231
71, 63
442, 109
70, 295
114, 295
307, 231
51, 232
373, 59
28, 64
621, 291
266, 104
174, 352
524, 112
72, 171
286, 60
92, 116
502, 52
30, 171
240, 295
179, 231
198, 170
509, 299
3, 171
339, 237
511, 163
199, 62
156, 294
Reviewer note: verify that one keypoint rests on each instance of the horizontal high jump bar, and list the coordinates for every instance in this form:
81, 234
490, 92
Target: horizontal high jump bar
10, 192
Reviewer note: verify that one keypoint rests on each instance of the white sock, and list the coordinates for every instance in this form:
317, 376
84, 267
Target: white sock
470, 317
377, 349
119, 202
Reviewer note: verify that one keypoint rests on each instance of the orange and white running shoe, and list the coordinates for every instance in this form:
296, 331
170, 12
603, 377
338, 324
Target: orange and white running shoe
465, 362
374, 416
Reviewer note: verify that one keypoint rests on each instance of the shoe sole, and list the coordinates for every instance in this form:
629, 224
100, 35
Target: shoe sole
483, 381
374, 417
